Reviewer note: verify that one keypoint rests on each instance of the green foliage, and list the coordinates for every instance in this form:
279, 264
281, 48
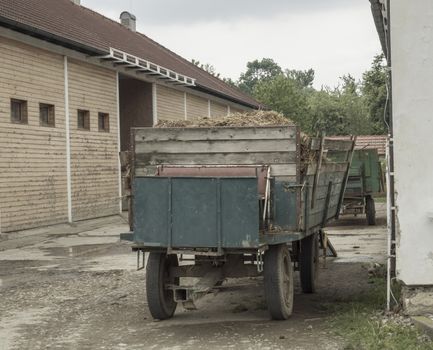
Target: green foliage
354, 107
258, 71
359, 321
283, 95
304, 78
375, 93
206, 67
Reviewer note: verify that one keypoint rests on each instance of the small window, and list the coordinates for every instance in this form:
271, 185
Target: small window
104, 122
18, 111
46, 115
83, 120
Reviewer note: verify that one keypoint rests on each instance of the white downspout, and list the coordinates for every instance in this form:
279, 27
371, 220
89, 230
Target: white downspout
68, 140
185, 105
389, 227
154, 104
118, 143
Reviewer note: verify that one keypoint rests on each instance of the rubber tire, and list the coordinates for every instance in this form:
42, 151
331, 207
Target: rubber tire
278, 280
370, 211
159, 299
309, 263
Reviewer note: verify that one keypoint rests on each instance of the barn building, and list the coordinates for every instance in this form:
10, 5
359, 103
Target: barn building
72, 84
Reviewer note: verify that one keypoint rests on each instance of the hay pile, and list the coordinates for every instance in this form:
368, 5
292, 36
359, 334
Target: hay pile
255, 118
251, 119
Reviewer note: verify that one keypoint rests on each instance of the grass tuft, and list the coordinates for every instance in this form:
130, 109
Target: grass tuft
362, 323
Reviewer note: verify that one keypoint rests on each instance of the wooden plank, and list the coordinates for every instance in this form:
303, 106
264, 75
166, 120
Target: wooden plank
286, 172
143, 160
214, 134
170, 103
220, 146
94, 157
280, 170
318, 170
331, 145
330, 167
338, 145
196, 106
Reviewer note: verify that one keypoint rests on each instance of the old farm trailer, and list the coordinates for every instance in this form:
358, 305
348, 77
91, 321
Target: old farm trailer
238, 202
364, 182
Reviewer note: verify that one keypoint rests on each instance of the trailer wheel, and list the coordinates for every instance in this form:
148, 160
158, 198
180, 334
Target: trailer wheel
160, 299
309, 263
278, 278
370, 211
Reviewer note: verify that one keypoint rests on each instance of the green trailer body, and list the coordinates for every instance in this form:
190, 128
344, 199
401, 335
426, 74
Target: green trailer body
239, 200
365, 181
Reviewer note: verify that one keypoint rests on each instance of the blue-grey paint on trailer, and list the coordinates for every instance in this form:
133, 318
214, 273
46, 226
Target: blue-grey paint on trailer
182, 212
285, 208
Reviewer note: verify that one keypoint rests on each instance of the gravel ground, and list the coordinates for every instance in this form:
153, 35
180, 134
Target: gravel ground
79, 289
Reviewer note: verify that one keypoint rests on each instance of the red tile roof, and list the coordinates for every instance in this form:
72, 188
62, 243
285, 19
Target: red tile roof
368, 142
76, 26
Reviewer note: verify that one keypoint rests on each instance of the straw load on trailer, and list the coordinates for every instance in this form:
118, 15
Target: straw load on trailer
246, 195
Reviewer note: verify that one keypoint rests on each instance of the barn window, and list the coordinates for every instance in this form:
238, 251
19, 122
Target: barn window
103, 122
18, 111
83, 119
46, 115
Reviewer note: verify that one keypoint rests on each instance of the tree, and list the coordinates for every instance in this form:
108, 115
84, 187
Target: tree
258, 71
374, 90
283, 95
305, 78
207, 67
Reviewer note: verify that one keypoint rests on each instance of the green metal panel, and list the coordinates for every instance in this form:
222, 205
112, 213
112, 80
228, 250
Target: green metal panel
285, 209
239, 213
196, 212
365, 174
151, 215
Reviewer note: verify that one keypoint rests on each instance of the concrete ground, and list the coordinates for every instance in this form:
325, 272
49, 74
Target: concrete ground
77, 288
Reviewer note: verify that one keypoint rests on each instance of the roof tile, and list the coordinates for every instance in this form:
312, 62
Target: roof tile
64, 19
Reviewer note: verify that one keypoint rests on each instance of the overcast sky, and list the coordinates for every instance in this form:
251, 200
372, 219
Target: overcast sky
334, 37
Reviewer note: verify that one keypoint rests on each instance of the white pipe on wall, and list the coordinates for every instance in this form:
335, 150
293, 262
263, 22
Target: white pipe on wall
154, 104
389, 227
68, 140
185, 105
118, 142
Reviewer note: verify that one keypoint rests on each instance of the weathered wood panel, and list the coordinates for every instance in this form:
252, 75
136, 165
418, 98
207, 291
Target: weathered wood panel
228, 146
217, 146
32, 157
217, 109
331, 144
196, 106
94, 158
216, 134
170, 103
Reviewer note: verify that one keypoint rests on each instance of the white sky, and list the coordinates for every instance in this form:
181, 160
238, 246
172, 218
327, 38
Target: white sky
334, 37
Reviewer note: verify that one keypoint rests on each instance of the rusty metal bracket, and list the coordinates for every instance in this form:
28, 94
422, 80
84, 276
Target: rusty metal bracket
140, 262
259, 260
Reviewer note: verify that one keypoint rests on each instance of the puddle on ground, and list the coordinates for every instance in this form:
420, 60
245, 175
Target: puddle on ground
11, 324
77, 250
